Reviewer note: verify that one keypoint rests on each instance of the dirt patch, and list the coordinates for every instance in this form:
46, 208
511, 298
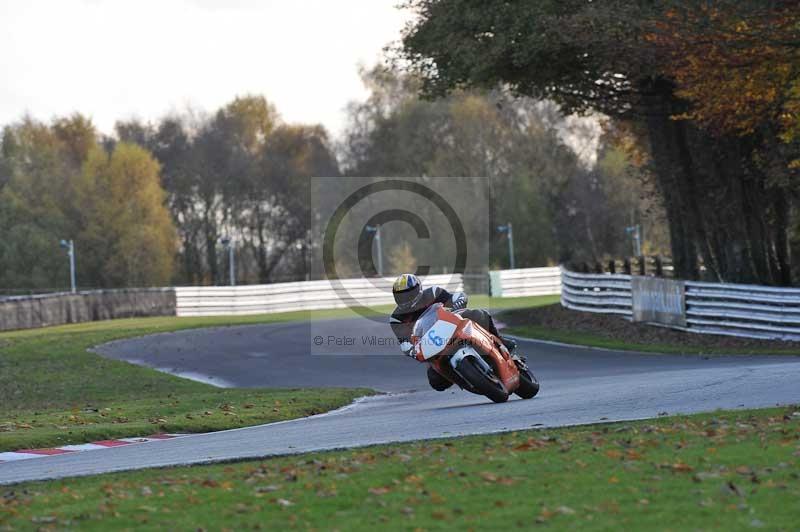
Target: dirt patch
557, 318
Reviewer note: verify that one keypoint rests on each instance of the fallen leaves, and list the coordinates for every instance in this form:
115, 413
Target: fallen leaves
531, 444
677, 467
44, 520
680, 467
631, 454
644, 466
493, 478
546, 514
729, 488
413, 479
11, 426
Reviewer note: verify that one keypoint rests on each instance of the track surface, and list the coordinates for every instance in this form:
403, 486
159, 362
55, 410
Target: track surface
579, 386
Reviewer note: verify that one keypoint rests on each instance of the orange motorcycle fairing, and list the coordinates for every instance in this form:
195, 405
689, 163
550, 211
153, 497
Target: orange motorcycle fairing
487, 345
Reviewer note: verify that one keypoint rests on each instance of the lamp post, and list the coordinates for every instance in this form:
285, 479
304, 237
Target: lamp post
377, 230
228, 245
69, 245
636, 231
509, 230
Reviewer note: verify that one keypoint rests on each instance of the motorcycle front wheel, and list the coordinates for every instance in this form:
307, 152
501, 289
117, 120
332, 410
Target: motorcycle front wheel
481, 382
528, 385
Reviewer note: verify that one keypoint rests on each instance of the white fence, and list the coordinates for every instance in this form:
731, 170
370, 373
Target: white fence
525, 282
316, 295
749, 311
284, 297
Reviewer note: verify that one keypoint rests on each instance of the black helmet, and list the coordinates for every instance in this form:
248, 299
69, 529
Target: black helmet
407, 291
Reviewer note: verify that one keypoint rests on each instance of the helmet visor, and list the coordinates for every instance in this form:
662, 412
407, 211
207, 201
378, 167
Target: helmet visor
407, 298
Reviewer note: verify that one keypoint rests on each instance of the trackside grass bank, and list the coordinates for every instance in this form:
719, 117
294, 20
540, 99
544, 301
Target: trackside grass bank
728, 470
555, 323
54, 392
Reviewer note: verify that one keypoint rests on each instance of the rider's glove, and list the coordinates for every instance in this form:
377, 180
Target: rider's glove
459, 301
407, 349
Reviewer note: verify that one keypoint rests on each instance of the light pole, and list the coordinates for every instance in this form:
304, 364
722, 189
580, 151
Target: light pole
377, 230
509, 230
228, 245
636, 231
69, 245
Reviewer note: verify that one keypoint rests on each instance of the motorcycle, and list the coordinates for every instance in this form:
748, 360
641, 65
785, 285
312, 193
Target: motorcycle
468, 355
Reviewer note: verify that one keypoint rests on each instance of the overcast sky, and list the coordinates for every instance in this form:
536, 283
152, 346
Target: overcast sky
116, 59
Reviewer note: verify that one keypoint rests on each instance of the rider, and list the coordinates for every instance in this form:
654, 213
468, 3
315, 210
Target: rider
412, 300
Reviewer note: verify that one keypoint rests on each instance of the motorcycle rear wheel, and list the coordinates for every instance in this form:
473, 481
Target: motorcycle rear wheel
483, 384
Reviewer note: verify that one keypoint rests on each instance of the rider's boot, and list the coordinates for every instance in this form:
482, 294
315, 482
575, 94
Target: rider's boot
510, 344
437, 382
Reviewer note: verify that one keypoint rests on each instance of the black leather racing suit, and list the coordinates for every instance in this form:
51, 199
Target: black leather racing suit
402, 321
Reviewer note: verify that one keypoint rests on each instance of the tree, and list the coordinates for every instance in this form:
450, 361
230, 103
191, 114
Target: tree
60, 183
240, 173
34, 207
737, 62
128, 235
276, 212
721, 203
401, 259
513, 141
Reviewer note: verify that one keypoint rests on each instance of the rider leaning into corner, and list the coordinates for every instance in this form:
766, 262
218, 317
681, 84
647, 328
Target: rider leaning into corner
412, 300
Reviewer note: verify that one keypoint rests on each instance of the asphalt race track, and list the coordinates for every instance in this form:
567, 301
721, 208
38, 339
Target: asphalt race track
579, 386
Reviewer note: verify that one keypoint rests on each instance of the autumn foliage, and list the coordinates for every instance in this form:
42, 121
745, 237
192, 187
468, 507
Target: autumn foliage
711, 88
738, 63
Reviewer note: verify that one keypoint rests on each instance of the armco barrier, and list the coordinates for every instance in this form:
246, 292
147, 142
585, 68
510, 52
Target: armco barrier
749, 311
285, 297
525, 282
29, 312
597, 292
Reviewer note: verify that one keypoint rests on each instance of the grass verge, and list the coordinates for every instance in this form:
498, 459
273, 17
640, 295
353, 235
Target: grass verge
727, 470
54, 392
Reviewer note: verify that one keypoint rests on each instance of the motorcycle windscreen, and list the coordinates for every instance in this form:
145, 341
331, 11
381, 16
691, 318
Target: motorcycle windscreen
426, 321
433, 333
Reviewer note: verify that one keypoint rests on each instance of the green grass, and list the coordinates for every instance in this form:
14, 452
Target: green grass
54, 392
593, 340
728, 470
508, 303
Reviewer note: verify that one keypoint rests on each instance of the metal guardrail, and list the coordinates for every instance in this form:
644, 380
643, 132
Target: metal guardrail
749, 311
597, 292
525, 282
286, 297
